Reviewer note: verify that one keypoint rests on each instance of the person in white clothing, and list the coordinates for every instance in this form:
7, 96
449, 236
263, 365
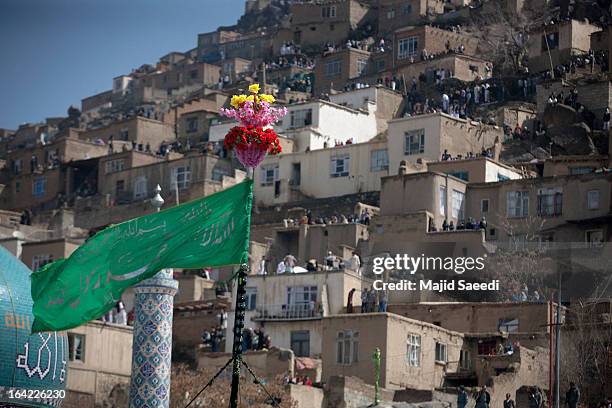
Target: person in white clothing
120, 314
280, 268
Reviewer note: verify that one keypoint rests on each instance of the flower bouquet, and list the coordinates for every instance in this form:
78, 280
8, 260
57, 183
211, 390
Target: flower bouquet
252, 140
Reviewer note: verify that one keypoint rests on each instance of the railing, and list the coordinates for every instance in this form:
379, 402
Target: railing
288, 312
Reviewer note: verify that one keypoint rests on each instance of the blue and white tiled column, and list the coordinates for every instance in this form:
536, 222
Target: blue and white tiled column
152, 342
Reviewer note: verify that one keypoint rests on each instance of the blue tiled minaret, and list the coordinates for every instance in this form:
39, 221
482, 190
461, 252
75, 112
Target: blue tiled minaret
152, 342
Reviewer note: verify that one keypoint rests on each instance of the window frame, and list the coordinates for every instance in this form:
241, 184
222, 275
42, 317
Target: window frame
413, 350
407, 47
518, 201
184, 174
73, 348
347, 340
140, 187
379, 160
39, 186
409, 143
441, 348
458, 211
333, 68
335, 170
590, 206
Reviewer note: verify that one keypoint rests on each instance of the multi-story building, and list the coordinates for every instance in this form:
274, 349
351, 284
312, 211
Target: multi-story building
427, 137
394, 14
416, 355
328, 172
290, 307
143, 131
335, 69
555, 44
314, 24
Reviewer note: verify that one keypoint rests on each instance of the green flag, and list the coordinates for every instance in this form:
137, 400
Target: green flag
211, 231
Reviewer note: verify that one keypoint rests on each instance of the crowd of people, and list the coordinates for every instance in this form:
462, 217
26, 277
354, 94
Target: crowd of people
309, 219
446, 156
470, 224
372, 301
536, 398
255, 339
118, 315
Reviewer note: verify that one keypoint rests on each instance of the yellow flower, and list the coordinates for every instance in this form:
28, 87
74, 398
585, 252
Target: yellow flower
254, 88
238, 100
267, 98
250, 98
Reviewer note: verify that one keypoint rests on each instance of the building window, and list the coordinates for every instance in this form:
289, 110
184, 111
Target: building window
517, 205
347, 347
458, 205
463, 175
593, 200
407, 9
484, 205
40, 260
594, 237
328, 11
380, 65
300, 295
39, 186
124, 134
510, 325
193, 74
192, 125
76, 347
339, 166
390, 14
251, 298
553, 41
407, 47
550, 201
333, 68
180, 177
414, 142
580, 170
362, 66
300, 343
269, 174
465, 362
441, 355
301, 118
413, 350
140, 187
114, 165
379, 160
443, 200
119, 187
17, 186
17, 166
501, 177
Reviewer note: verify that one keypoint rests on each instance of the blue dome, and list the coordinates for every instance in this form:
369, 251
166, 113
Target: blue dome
35, 362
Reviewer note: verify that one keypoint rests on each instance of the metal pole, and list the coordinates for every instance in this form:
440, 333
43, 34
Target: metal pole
238, 326
552, 69
241, 280
557, 348
550, 349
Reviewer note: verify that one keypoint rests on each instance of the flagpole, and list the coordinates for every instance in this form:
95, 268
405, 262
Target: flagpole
239, 321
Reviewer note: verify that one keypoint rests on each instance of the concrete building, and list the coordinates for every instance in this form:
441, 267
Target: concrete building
99, 365
318, 124
37, 254
138, 129
328, 172
290, 307
411, 43
335, 69
573, 208
394, 14
419, 356
387, 103
556, 44
316, 23
426, 137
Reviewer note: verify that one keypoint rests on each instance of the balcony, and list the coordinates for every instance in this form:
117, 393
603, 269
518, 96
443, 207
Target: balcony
298, 311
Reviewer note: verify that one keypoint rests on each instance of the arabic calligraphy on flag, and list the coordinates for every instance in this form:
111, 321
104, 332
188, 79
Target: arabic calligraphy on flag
208, 232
